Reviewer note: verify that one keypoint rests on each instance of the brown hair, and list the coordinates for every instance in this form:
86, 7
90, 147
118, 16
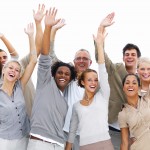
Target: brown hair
82, 76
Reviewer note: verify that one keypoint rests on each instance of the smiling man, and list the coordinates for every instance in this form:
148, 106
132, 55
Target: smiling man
116, 73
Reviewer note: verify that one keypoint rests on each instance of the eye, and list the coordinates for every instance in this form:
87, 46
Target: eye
10, 67
17, 70
96, 80
127, 82
67, 74
142, 69
85, 59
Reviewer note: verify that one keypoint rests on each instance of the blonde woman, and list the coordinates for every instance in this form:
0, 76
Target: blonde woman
14, 121
143, 69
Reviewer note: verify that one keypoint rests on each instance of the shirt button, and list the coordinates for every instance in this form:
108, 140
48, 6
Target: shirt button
19, 122
16, 107
18, 115
12, 101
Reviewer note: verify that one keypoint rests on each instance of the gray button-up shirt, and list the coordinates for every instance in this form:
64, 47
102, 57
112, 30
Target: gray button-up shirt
14, 122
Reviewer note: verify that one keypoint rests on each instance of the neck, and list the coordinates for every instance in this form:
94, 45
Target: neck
88, 96
133, 101
8, 87
145, 86
131, 69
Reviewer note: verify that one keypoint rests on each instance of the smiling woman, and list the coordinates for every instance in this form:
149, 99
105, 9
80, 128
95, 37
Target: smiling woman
134, 119
14, 120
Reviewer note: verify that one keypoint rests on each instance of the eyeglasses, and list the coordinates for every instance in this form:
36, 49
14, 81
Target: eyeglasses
84, 59
3, 57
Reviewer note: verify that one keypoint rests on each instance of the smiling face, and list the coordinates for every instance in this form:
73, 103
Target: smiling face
82, 61
11, 71
62, 77
131, 86
144, 71
130, 58
90, 82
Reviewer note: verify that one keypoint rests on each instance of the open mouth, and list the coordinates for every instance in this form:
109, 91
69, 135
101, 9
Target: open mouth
11, 75
130, 89
62, 80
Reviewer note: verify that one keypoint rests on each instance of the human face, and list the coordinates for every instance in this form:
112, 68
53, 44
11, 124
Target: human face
3, 57
82, 61
130, 58
90, 82
144, 72
12, 71
131, 86
62, 77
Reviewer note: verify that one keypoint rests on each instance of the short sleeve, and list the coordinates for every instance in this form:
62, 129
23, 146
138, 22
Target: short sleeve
122, 119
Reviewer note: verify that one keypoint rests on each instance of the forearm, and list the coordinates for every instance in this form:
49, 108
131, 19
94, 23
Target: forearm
38, 37
124, 147
53, 34
9, 46
46, 40
68, 146
33, 53
100, 50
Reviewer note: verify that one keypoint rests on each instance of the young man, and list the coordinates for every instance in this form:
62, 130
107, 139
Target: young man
116, 73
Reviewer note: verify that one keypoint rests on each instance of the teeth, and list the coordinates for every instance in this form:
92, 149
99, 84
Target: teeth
62, 80
145, 76
81, 65
92, 86
12, 75
130, 89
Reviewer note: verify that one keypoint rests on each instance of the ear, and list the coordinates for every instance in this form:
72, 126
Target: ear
90, 62
123, 88
123, 58
82, 82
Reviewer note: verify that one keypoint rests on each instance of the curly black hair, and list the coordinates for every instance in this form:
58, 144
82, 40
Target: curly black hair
58, 64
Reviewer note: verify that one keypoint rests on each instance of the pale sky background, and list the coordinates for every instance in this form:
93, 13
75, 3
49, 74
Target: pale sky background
132, 25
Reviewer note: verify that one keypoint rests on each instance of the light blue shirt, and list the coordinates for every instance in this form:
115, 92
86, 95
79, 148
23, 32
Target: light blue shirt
14, 122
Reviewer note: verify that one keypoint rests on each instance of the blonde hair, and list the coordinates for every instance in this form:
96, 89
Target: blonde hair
16, 61
143, 60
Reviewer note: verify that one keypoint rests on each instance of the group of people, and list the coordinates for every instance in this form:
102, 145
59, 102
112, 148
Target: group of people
73, 106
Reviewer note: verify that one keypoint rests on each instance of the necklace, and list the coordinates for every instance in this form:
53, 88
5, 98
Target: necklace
88, 99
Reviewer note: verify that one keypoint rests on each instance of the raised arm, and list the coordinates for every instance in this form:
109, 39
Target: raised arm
9, 46
99, 41
103, 75
106, 22
55, 28
50, 21
33, 55
38, 16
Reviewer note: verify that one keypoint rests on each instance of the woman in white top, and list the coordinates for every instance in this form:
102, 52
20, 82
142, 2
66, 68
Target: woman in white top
90, 115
